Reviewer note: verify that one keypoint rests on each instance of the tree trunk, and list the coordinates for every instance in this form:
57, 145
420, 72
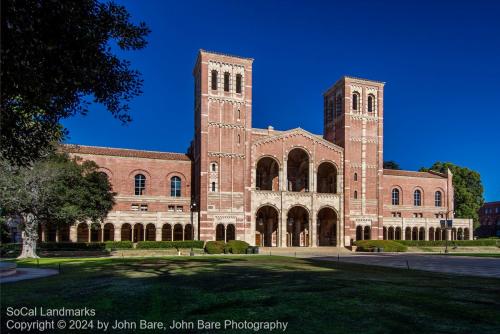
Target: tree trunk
30, 236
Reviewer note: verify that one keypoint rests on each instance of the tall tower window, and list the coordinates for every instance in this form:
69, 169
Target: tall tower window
355, 101
371, 100
395, 196
226, 81
212, 189
355, 194
214, 167
417, 198
355, 176
437, 199
238, 83
175, 186
214, 80
338, 105
140, 184
238, 139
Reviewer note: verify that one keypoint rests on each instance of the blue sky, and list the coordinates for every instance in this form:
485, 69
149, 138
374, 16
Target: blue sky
440, 61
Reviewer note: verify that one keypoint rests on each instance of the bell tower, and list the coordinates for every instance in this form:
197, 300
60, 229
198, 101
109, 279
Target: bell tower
221, 146
353, 119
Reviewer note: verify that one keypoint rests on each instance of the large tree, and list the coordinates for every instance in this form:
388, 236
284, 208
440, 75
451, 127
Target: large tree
468, 189
58, 190
56, 59
391, 164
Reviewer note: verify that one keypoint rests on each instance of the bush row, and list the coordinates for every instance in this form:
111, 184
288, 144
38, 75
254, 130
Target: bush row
438, 243
387, 245
170, 244
233, 247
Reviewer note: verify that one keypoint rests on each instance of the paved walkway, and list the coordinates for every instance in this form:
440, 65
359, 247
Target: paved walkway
461, 265
28, 273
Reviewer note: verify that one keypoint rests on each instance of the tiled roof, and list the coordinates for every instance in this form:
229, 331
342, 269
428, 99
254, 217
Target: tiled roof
409, 173
121, 152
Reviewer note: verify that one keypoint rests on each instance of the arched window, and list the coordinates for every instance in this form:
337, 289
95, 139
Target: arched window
417, 198
213, 167
355, 101
355, 176
239, 114
239, 139
338, 105
226, 81
437, 199
370, 103
355, 194
238, 83
175, 186
395, 196
214, 80
213, 187
140, 184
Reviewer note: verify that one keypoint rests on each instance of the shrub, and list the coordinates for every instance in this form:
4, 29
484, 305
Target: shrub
442, 243
119, 244
215, 247
387, 245
170, 244
55, 246
237, 246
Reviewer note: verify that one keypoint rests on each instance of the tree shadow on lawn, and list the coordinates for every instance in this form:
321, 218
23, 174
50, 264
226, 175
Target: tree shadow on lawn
314, 296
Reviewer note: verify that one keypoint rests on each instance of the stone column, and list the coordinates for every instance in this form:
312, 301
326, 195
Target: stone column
312, 176
158, 234
144, 232
284, 225
314, 231
225, 233
183, 233
118, 234
57, 233
285, 178
73, 233
42, 229
297, 227
102, 232
133, 232
89, 228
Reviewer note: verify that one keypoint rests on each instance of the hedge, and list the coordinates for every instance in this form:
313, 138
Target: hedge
237, 246
387, 245
215, 247
54, 246
119, 244
170, 244
442, 243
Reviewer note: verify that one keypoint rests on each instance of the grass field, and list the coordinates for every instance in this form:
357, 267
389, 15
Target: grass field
313, 296
476, 254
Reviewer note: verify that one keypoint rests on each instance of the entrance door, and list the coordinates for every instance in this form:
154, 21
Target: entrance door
257, 239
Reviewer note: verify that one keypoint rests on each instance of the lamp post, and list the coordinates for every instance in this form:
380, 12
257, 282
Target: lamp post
193, 207
446, 228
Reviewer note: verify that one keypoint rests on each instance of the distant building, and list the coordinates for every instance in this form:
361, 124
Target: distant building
489, 218
268, 187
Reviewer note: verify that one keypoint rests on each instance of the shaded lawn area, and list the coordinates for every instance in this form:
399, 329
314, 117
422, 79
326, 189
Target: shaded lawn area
475, 254
313, 296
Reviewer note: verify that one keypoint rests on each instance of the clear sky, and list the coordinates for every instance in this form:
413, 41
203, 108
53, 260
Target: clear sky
440, 61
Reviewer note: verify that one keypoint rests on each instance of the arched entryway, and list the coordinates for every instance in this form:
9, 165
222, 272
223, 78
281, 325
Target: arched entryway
188, 232
460, 234
421, 233
367, 233
327, 178
166, 232
397, 233
408, 233
267, 174
64, 233
266, 227
51, 232
327, 227
391, 233
178, 232
297, 227
359, 232
95, 232
220, 233
298, 170
414, 233
466, 234
109, 232
126, 232
384, 233
82, 232
437, 234
230, 232
431, 233
150, 232
138, 232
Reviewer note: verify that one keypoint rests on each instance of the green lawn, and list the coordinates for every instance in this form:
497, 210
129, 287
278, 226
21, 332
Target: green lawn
313, 296
476, 254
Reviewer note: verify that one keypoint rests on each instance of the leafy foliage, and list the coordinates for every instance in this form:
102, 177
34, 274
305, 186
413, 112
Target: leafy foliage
387, 245
237, 246
215, 247
391, 165
438, 243
124, 244
170, 244
56, 59
468, 189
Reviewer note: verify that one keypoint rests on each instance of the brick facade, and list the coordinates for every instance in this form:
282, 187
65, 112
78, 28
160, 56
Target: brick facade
270, 187
489, 220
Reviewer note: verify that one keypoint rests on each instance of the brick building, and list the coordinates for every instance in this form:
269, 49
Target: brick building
268, 187
489, 220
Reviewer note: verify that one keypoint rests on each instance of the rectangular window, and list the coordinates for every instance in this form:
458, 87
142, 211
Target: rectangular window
144, 207
134, 207
226, 81
171, 208
238, 83
214, 80
179, 208
399, 214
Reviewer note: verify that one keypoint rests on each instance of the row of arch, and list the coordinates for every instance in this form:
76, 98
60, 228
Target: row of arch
298, 227
418, 197
297, 174
136, 232
420, 233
